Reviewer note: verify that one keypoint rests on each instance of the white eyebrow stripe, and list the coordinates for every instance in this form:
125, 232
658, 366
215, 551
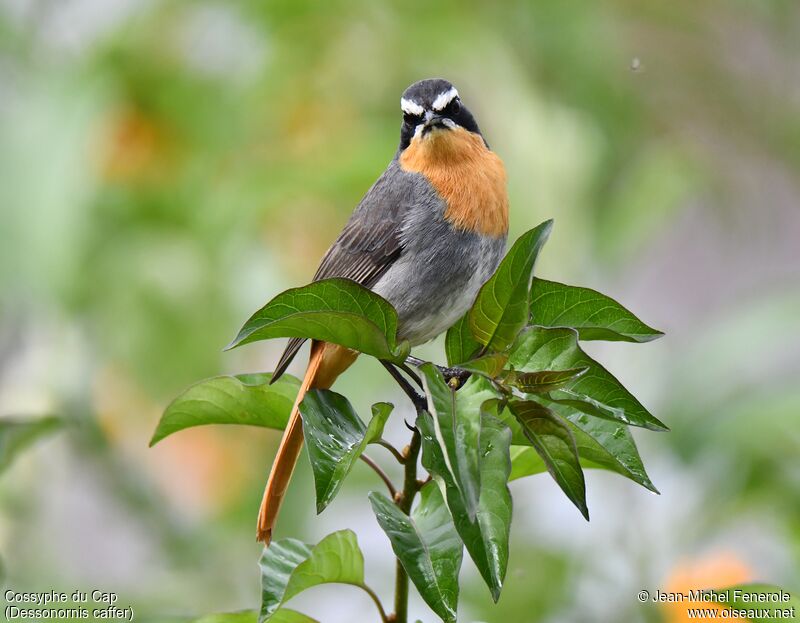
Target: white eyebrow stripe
443, 99
412, 108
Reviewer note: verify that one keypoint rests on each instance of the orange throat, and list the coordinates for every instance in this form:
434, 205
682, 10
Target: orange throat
466, 174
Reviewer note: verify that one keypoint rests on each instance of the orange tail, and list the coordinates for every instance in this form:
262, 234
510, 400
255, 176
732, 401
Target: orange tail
327, 362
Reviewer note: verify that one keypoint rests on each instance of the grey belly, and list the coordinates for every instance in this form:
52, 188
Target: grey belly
437, 277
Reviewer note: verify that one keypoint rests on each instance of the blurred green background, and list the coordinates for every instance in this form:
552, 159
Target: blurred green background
166, 167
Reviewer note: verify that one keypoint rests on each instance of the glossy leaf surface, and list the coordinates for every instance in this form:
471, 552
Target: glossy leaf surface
242, 399
335, 438
501, 308
594, 315
485, 536
427, 545
596, 392
288, 567
332, 310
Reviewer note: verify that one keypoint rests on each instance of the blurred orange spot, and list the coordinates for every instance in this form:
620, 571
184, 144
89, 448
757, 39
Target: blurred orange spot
718, 570
122, 407
200, 470
131, 146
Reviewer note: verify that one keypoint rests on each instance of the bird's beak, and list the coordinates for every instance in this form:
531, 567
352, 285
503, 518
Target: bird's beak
434, 121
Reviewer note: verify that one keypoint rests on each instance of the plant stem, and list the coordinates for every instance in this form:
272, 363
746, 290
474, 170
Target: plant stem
378, 604
376, 468
404, 501
410, 487
400, 614
394, 451
405, 498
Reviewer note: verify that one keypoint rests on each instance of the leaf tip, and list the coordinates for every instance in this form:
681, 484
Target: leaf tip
652, 336
233, 343
157, 436
495, 589
659, 426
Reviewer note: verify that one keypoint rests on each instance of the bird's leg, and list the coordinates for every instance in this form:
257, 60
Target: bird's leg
414, 361
412, 374
420, 404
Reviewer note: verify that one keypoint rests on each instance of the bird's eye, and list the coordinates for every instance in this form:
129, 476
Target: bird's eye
454, 107
412, 120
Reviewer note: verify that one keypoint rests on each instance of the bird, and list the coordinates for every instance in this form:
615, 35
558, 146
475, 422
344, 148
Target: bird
426, 236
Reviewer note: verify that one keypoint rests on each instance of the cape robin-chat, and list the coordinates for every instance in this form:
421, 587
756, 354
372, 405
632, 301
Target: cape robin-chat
426, 236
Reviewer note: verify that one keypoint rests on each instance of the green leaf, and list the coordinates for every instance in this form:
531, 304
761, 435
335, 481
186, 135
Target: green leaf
606, 444
427, 545
245, 616
16, 434
332, 310
544, 381
501, 308
525, 461
457, 424
486, 536
335, 438
554, 442
597, 392
283, 615
595, 316
289, 566
778, 605
459, 343
601, 444
490, 365
243, 399
380, 414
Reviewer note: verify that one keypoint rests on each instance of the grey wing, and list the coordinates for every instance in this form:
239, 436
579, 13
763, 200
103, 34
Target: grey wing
367, 246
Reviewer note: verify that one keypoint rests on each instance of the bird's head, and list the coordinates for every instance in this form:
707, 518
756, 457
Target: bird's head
431, 107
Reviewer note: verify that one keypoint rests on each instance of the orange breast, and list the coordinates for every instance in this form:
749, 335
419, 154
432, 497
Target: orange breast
468, 176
